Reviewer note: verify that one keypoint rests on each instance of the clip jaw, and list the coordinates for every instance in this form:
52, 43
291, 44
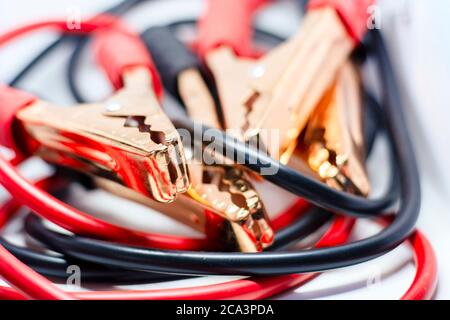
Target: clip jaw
253, 233
228, 193
127, 139
333, 141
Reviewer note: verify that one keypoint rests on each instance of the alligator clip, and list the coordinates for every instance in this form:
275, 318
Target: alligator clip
333, 143
223, 189
272, 98
227, 191
127, 138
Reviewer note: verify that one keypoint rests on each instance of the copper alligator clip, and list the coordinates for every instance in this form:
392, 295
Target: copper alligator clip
228, 191
127, 138
222, 188
272, 98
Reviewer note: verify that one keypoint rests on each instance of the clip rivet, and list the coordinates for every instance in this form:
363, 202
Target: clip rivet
258, 71
112, 106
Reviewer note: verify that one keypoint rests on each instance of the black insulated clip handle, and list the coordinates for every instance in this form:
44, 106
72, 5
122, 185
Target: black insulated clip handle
170, 55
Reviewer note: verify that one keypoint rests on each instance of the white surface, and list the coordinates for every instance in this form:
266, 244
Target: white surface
417, 33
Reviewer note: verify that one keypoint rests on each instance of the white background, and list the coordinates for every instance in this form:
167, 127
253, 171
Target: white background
419, 42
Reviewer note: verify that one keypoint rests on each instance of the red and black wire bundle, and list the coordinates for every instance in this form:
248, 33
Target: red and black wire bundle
132, 250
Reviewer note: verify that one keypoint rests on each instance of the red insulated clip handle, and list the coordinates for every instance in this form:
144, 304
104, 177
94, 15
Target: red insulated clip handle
120, 49
11, 101
228, 23
354, 14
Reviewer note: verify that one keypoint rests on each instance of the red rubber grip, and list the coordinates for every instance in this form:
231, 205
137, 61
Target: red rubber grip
11, 101
118, 50
228, 23
354, 14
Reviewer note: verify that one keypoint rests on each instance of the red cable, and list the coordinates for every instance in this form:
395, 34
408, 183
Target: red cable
26, 280
290, 215
7, 211
250, 288
18, 274
423, 286
100, 21
426, 278
81, 223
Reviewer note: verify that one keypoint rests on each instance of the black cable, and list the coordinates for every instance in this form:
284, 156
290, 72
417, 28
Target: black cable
57, 267
29, 67
303, 4
73, 66
92, 270
290, 180
300, 229
196, 263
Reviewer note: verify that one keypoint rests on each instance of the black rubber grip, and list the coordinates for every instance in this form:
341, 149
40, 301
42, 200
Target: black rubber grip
170, 55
